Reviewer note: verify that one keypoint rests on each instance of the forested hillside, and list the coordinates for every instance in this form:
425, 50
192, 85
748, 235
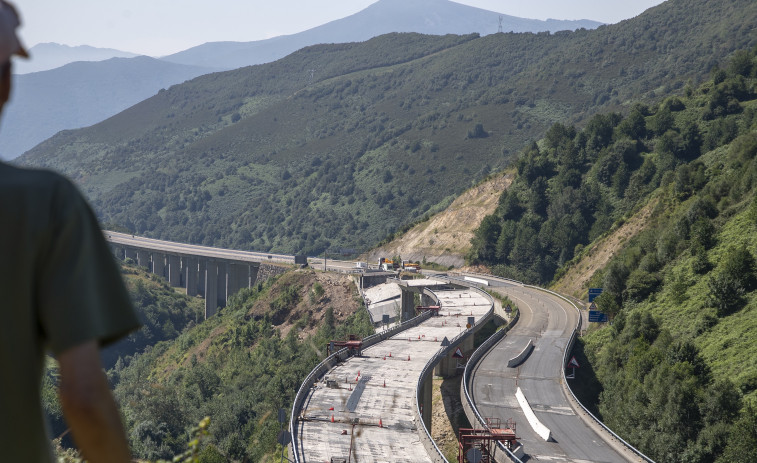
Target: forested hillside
238, 367
337, 146
164, 314
676, 372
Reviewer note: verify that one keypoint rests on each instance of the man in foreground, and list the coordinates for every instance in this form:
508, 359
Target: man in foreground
61, 291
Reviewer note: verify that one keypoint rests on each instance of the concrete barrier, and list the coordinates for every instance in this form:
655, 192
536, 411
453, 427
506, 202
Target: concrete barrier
520, 358
537, 425
330, 362
613, 439
432, 449
501, 453
479, 281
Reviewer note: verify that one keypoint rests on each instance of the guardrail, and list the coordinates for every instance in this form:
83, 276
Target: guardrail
433, 450
330, 362
568, 349
468, 404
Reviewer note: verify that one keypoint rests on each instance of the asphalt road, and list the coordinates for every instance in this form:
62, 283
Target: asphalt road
549, 322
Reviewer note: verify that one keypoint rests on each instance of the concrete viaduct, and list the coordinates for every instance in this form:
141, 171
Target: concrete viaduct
213, 273
387, 389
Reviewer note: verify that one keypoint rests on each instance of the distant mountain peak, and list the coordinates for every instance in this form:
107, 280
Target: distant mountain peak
51, 55
432, 17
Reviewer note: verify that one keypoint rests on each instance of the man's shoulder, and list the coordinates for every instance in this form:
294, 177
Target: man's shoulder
14, 177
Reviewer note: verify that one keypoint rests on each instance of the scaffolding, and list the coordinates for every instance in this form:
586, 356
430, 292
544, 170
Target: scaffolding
485, 441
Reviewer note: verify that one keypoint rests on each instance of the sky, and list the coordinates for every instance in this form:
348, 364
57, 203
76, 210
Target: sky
161, 27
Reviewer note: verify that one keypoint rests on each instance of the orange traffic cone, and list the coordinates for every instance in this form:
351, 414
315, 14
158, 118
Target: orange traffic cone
332, 418
381, 424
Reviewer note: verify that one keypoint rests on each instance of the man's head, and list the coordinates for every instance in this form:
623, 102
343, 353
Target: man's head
9, 45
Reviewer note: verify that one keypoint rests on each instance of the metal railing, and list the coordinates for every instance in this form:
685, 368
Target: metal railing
472, 362
327, 364
568, 349
454, 342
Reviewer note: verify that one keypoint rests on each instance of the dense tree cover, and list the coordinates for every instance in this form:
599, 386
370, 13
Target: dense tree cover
575, 184
164, 314
235, 367
677, 367
269, 158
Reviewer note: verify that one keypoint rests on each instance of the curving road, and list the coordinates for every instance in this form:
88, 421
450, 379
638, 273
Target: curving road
363, 410
549, 322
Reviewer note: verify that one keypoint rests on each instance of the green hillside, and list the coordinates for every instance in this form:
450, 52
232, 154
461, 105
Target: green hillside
238, 367
676, 372
336, 146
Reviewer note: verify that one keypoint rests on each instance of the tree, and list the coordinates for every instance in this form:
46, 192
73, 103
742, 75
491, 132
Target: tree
484, 241
742, 443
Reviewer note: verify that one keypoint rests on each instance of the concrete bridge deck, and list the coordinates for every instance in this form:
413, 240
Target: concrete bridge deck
350, 414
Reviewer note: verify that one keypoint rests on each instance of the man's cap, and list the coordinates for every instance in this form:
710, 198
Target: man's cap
9, 43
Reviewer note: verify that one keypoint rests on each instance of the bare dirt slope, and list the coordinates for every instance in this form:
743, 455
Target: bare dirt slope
445, 238
576, 279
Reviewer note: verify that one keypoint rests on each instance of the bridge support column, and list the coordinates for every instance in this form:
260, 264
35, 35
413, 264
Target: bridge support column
174, 270
253, 274
130, 253
408, 305
143, 259
159, 264
211, 288
447, 366
221, 284
202, 270
191, 275
426, 401
117, 251
238, 278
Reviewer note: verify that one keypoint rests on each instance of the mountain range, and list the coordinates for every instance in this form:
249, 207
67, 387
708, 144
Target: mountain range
434, 17
46, 56
52, 100
80, 94
339, 146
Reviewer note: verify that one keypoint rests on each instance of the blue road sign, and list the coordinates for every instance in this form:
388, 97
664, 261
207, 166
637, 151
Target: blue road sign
597, 317
593, 293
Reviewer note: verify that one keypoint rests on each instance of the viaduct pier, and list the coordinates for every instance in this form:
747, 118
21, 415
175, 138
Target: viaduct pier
213, 273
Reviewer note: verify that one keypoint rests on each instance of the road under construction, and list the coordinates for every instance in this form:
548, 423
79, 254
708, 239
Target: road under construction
367, 408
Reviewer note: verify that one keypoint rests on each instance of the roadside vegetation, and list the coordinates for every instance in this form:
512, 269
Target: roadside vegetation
238, 368
676, 370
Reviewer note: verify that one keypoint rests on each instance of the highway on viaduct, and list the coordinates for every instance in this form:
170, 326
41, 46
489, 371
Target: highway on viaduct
548, 321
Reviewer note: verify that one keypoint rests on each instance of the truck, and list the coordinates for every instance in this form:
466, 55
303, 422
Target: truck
386, 264
410, 267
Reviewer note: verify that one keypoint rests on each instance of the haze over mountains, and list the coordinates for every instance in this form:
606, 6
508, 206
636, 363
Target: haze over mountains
46, 56
52, 100
276, 157
81, 94
434, 17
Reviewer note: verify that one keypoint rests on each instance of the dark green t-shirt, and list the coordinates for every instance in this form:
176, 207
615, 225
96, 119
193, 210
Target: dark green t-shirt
59, 287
